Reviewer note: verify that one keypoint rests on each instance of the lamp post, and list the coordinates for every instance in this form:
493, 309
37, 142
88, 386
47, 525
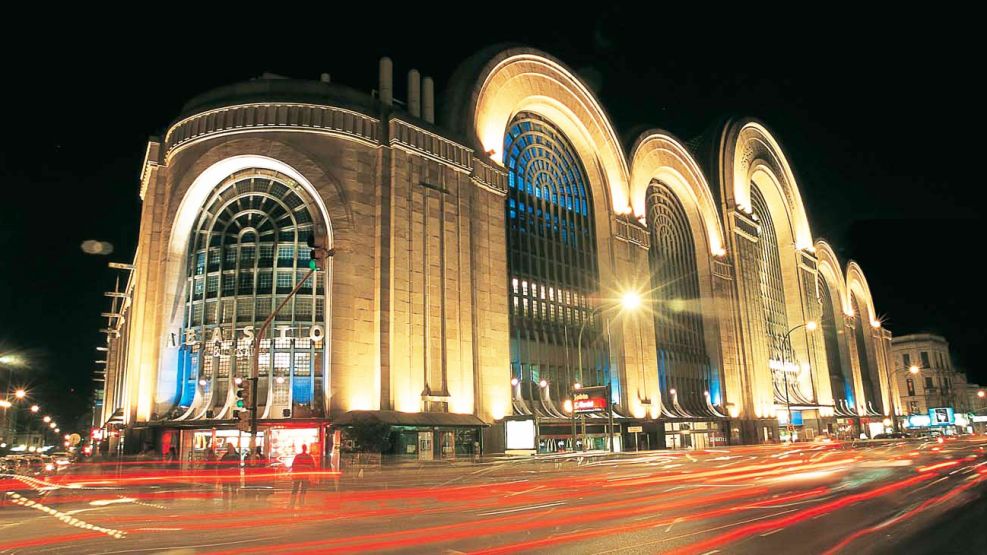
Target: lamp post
785, 346
629, 301
913, 370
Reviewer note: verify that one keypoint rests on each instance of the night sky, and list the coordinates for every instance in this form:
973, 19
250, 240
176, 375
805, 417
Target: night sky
878, 119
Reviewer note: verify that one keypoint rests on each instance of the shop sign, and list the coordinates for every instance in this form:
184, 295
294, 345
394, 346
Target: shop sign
590, 399
635, 429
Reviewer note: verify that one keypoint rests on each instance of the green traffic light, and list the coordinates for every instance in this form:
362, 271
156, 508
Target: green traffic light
313, 264
239, 403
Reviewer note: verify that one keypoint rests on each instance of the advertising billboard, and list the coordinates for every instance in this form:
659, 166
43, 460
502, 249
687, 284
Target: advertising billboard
941, 416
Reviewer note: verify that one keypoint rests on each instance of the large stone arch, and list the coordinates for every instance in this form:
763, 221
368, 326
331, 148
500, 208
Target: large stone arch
188, 196
752, 154
857, 283
659, 155
831, 270
831, 273
868, 324
522, 79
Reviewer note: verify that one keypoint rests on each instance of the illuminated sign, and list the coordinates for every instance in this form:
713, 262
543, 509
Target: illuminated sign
590, 399
979, 419
223, 341
941, 416
520, 434
919, 420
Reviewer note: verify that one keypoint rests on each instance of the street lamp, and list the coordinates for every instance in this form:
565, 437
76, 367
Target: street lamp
20, 394
35, 408
629, 301
46, 419
892, 380
786, 344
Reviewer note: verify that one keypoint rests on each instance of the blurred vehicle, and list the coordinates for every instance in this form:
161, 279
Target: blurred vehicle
62, 460
892, 435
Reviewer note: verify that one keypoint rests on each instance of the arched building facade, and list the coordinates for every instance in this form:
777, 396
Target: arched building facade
480, 261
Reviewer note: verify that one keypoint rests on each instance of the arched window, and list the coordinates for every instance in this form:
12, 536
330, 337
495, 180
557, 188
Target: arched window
839, 379
246, 253
683, 363
866, 372
772, 286
552, 266
773, 301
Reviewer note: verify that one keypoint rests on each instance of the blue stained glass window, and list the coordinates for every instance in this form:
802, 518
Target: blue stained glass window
551, 196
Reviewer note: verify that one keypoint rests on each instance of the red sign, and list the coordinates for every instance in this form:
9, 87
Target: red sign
590, 399
590, 405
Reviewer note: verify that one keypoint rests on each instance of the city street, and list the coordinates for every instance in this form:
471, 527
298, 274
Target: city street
868, 497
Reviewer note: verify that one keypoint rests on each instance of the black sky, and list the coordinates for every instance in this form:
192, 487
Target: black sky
880, 119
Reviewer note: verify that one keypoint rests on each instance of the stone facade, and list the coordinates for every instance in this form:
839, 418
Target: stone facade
417, 291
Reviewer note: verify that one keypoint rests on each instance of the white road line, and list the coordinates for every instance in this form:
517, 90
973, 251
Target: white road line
531, 508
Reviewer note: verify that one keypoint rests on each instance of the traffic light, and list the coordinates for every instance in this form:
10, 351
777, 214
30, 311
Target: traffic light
244, 403
318, 254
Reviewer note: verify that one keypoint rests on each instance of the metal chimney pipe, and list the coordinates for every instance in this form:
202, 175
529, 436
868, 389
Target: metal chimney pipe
428, 101
386, 82
414, 93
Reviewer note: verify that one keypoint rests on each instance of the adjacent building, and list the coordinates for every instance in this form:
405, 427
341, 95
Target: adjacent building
933, 393
500, 257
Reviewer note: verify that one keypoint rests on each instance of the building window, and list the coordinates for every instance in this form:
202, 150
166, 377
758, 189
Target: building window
928, 384
867, 373
248, 231
683, 363
910, 383
925, 359
841, 382
551, 241
906, 360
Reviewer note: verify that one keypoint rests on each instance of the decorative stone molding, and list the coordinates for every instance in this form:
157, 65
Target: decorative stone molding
418, 140
723, 269
279, 116
489, 177
632, 232
808, 261
745, 226
150, 166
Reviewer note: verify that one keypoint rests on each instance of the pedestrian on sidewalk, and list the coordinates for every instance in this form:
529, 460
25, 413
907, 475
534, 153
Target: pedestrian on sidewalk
302, 468
230, 475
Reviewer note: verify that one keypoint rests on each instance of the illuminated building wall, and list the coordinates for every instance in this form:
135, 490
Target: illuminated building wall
469, 250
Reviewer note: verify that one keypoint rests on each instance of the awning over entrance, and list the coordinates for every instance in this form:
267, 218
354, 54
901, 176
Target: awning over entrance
115, 418
395, 418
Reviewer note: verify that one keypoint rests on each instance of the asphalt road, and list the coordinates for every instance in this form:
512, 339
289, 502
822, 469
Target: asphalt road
872, 497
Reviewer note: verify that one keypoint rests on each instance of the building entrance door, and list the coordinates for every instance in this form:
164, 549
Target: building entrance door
425, 446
